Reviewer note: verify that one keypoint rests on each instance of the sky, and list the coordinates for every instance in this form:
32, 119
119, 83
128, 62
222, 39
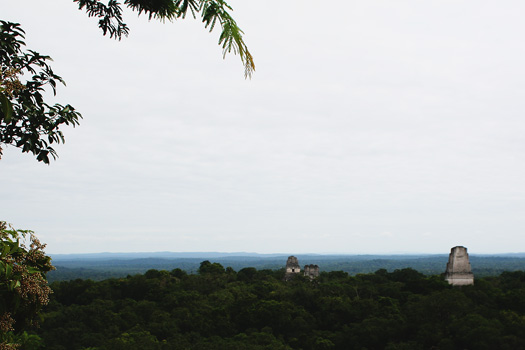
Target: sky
368, 127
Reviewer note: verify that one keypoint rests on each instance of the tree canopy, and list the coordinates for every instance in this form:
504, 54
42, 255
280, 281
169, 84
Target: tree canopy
251, 309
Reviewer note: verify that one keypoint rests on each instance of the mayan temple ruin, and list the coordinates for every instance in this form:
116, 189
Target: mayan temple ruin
293, 268
311, 271
458, 271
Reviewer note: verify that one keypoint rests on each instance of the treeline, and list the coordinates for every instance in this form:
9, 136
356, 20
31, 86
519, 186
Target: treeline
103, 268
219, 308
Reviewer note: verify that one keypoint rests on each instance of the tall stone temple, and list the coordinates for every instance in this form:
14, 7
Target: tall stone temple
293, 268
292, 265
311, 271
458, 271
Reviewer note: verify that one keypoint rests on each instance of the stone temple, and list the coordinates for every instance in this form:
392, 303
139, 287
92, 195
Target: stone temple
293, 268
311, 271
458, 271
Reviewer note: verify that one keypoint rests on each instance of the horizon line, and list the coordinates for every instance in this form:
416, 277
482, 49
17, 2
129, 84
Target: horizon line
242, 253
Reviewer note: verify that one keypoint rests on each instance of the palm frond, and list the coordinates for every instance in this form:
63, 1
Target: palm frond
213, 11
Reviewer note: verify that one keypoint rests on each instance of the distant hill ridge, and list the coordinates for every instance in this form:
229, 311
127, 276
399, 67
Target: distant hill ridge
210, 255
100, 266
138, 255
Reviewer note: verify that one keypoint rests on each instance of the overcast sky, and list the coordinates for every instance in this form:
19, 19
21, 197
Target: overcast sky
369, 127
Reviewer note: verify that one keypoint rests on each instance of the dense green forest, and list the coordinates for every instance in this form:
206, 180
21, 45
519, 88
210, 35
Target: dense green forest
219, 308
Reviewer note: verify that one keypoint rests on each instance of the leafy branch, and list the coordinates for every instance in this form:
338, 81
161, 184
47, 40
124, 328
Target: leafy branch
26, 121
23, 285
211, 12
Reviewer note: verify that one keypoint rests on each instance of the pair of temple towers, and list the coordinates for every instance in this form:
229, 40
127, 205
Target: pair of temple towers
458, 272
293, 268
